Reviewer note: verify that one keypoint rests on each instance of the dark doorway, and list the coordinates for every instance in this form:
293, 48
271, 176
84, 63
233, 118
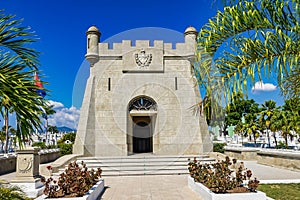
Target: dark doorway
142, 137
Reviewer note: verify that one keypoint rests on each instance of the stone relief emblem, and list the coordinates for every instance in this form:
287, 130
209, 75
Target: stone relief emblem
25, 164
142, 59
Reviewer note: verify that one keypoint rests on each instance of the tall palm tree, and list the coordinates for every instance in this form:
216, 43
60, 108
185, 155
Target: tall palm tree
17, 64
268, 109
291, 109
246, 41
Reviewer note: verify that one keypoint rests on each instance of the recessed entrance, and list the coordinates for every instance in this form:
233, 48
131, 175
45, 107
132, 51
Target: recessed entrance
142, 135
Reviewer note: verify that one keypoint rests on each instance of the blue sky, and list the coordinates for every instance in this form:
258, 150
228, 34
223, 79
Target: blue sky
61, 25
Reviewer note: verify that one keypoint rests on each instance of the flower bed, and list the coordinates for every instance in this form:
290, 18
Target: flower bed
223, 180
92, 194
207, 194
77, 182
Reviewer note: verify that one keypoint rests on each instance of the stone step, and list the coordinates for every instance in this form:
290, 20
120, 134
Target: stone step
139, 162
137, 157
148, 172
141, 165
138, 173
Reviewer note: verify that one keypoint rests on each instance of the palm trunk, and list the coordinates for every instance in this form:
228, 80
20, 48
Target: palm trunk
286, 140
268, 138
275, 139
6, 131
46, 142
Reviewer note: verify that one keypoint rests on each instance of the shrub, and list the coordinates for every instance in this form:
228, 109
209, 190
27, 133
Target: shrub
218, 176
282, 145
11, 192
74, 182
219, 147
42, 145
65, 148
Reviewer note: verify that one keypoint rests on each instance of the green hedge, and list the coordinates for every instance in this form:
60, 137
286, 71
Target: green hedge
65, 148
42, 145
219, 147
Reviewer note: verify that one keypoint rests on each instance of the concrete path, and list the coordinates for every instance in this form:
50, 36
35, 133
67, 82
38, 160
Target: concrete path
151, 187
269, 174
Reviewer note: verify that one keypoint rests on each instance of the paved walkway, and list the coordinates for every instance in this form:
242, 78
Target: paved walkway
268, 174
175, 186
162, 187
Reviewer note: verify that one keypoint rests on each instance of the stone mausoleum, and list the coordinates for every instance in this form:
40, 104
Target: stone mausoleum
138, 99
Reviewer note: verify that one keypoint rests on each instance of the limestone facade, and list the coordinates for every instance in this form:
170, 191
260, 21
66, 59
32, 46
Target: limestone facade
139, 98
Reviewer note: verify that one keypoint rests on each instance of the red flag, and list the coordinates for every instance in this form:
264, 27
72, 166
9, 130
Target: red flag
41, 92
37, 81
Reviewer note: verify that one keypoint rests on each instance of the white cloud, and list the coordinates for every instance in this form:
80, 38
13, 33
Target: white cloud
68, 117
263, 87
56, 104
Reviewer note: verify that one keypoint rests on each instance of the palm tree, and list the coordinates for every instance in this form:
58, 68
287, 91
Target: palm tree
291, 109
18, 62
266, 114
257, 37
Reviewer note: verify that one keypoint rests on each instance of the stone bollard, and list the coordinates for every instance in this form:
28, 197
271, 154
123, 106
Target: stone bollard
27, 172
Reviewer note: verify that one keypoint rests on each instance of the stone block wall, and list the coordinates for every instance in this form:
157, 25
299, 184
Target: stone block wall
8, 164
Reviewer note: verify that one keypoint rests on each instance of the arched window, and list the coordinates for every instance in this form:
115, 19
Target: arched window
142, 103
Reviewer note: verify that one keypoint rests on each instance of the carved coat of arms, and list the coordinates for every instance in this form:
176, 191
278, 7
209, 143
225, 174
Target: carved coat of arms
142, 59
25, 164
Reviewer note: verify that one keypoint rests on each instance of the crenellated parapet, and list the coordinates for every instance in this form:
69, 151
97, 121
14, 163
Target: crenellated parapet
181, 49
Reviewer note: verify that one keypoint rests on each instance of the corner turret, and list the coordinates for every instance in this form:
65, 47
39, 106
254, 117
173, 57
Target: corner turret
190, 35
93, 38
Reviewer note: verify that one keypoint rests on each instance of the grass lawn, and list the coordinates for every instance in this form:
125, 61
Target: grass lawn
281, 191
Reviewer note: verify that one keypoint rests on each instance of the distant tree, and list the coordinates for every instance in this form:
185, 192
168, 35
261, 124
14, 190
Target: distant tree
291, 113
237, 109
268, 109
68, 136
250, 126
52, 129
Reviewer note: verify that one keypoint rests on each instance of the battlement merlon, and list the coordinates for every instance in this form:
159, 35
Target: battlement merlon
97, 49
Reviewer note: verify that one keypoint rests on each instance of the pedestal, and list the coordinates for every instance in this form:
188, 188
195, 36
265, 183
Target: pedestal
27, 172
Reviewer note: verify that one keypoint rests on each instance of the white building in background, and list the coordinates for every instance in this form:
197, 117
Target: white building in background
138, 99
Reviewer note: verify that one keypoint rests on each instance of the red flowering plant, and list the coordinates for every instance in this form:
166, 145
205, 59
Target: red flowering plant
49, 167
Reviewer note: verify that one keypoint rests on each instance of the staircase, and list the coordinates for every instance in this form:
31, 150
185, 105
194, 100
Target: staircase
141, 164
